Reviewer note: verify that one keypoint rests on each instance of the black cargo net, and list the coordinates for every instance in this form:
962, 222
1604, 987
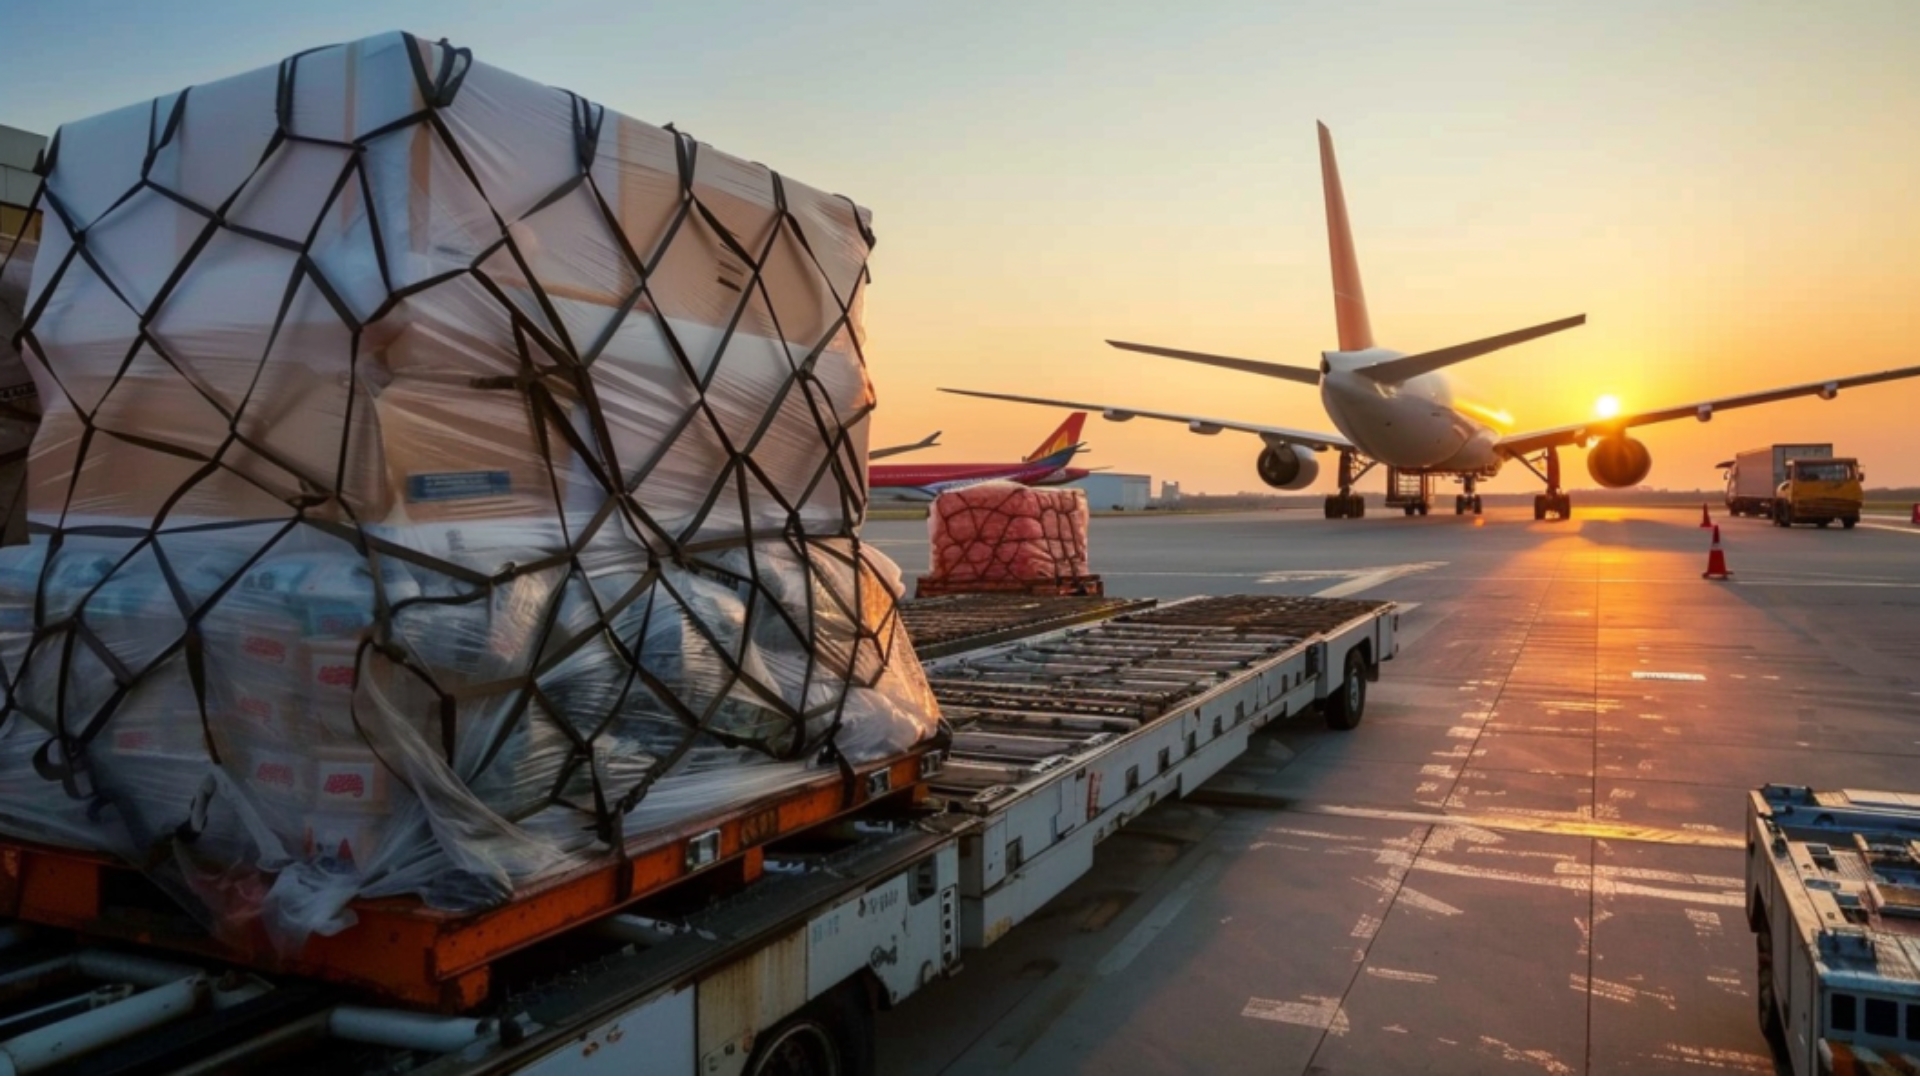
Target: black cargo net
638, 638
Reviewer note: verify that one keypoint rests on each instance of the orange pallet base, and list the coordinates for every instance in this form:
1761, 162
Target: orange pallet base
402, 951
1072, 586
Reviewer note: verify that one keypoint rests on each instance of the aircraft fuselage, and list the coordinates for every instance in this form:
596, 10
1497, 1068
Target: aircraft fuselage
1409, 425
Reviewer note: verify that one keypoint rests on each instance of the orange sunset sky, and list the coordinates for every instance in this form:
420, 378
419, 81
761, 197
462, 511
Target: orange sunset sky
1726, 189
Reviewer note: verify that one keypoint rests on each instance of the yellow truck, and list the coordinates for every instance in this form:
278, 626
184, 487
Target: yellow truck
1820, 490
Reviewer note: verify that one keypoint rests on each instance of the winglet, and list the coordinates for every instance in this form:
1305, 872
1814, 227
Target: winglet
1349, 299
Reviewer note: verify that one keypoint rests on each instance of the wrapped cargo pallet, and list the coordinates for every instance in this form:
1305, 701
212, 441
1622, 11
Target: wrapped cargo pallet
443, 480
1007, 532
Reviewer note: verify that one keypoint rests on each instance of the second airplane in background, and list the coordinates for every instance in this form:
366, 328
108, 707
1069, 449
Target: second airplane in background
1047, 465
1398, 410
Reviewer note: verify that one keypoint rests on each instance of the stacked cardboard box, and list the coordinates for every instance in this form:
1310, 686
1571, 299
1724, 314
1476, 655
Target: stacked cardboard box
441, 479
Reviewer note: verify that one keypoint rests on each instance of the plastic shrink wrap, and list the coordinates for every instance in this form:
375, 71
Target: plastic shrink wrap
442, 479
1003, 531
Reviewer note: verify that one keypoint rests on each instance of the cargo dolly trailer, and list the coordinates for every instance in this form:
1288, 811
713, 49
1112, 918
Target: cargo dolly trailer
1070, 717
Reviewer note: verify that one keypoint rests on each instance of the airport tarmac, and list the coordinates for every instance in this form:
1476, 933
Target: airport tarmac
1528, 858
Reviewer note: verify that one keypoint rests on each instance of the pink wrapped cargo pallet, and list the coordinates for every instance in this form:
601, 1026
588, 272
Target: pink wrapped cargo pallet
442, 481
1006, 536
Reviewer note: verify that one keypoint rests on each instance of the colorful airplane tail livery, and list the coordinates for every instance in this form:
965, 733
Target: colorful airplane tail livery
1064, 441
1046, 466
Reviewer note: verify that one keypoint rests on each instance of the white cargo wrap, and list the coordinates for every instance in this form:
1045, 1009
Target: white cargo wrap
442, 480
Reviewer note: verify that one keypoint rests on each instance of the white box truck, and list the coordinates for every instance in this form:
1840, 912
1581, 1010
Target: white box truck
1753, 475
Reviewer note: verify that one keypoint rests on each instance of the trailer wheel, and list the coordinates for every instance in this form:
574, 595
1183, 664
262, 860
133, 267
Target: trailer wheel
1345, 706
1770, 1025
831, 1036
1849, 522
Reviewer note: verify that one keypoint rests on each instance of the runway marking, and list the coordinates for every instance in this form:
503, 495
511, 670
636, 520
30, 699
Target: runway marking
1402, 976
1377, 576
1696, 1057
1324, 1013
1620, 992
1670, 676
1536, 1059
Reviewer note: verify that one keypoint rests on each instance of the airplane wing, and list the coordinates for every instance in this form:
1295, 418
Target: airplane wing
1200, 425
894, 451
1529, 442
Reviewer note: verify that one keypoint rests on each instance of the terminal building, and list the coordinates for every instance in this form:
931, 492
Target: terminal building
1115, 491
18, 152
19, 407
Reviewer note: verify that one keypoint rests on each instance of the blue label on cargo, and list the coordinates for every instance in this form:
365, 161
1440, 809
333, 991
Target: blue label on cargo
438, 487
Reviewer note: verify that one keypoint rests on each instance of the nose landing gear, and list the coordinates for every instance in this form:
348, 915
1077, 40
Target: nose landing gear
1468, 503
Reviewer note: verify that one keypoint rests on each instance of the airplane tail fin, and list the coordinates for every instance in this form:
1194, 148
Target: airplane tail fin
1064, 440
1349, 299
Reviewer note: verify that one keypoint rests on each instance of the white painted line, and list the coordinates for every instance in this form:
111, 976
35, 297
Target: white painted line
1670, 676
1401, 976
1314, 1012
1375, 577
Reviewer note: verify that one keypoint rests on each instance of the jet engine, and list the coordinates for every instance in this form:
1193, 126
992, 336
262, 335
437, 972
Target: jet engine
1289, 468
1618, 461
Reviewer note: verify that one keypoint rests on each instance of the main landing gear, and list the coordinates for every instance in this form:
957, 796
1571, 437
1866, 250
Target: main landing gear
1347, 504
1554, 501
1468, 503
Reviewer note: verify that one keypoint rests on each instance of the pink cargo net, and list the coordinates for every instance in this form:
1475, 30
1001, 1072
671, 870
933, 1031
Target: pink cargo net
1008, 532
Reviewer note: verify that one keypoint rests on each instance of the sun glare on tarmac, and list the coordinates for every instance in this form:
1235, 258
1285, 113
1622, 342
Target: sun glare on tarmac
1607, 407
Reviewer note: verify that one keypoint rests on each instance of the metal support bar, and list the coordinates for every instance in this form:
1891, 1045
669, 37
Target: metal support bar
37, 1050
406, 1030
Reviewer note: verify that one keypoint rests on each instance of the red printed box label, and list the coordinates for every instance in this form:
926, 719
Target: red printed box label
353, 784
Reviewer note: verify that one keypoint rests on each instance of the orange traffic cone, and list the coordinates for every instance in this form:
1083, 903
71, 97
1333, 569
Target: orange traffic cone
1717, 560
1705, 521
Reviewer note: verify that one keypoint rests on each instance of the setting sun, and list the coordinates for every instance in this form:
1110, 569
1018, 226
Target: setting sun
1607, 407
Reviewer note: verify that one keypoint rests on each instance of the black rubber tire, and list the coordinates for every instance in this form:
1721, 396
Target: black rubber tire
1346, 706
1424, 508
1539, 508
1566, 508
1849, 522
1771, 1027
1477, 505
830, 1035
1359, 506
1823, 523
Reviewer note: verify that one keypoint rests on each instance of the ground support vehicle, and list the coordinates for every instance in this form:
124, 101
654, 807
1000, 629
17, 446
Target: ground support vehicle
1070, 716
1754, 475
1819, 490
1833, 898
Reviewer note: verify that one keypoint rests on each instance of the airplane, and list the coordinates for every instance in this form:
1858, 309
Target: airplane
1399, 410
1046, 466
